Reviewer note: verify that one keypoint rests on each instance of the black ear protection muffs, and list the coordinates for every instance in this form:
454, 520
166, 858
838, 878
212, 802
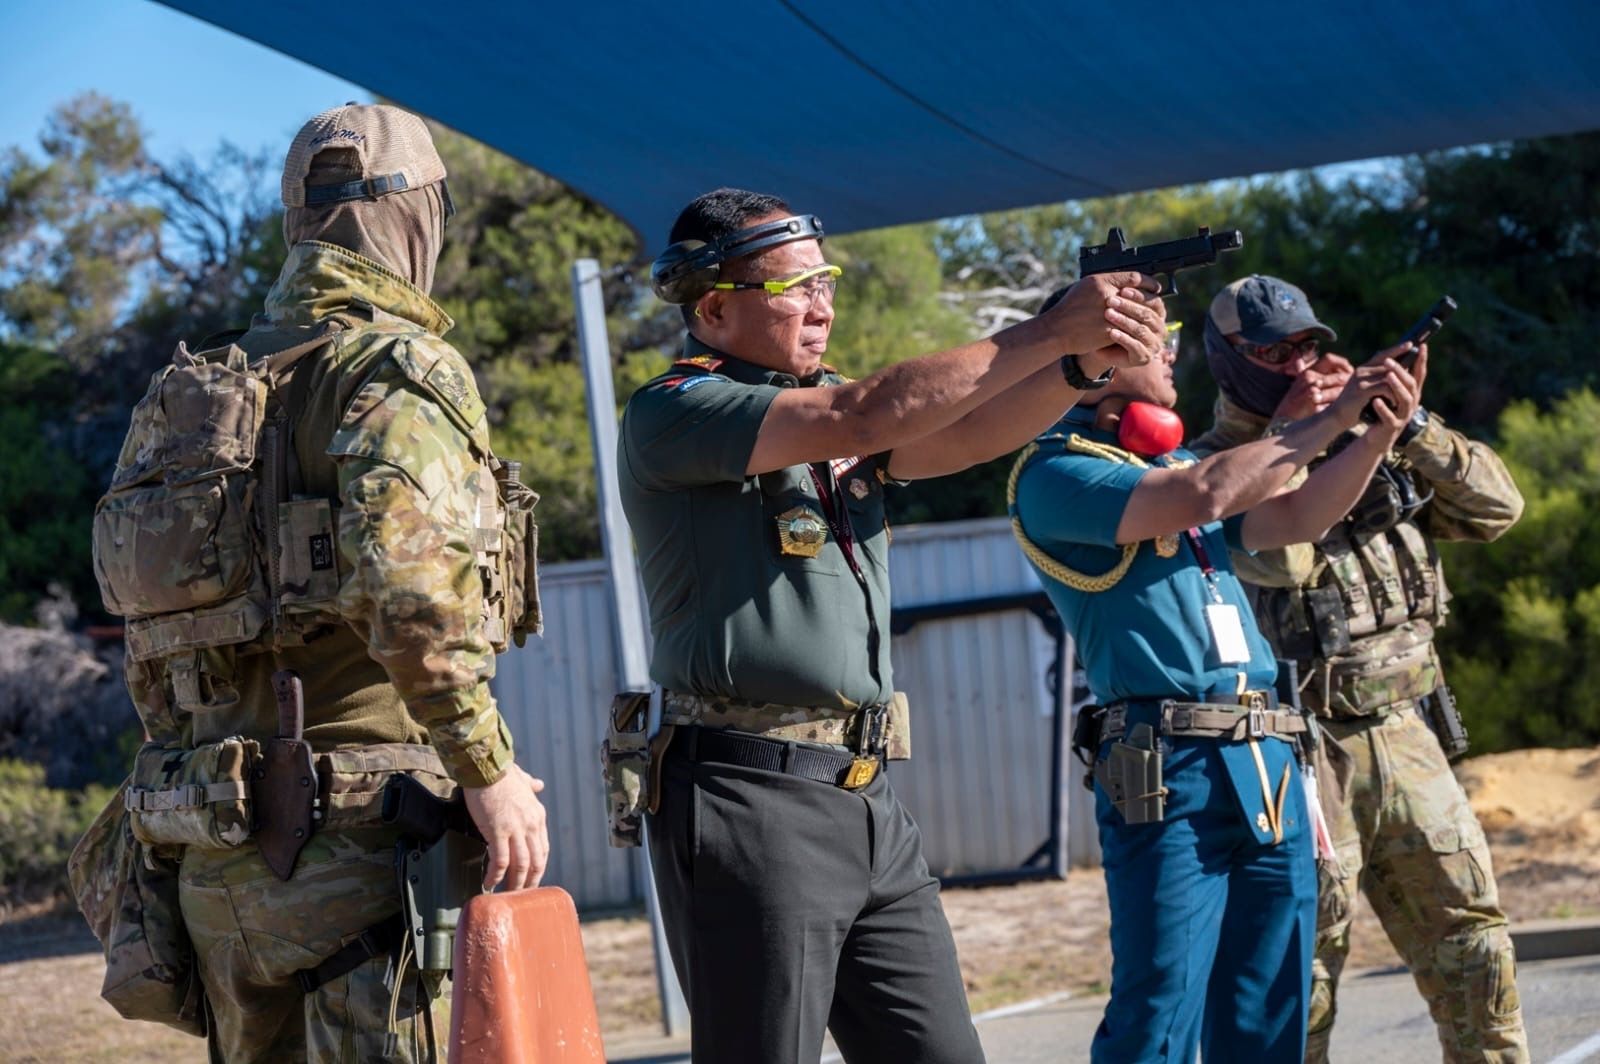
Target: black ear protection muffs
688, 269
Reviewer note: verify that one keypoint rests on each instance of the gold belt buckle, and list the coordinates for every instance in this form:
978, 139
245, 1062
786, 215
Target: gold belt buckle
863, 770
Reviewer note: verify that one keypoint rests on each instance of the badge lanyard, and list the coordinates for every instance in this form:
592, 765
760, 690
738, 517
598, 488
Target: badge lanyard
1198, 545
838, 517
1222, 618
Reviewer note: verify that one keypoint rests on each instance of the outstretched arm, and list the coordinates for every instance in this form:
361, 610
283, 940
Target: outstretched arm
1236, 480
1306, 514
917, 398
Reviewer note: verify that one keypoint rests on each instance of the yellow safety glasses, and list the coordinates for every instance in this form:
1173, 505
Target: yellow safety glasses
798, 292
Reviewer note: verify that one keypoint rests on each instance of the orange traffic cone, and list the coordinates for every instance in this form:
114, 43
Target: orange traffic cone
521, 987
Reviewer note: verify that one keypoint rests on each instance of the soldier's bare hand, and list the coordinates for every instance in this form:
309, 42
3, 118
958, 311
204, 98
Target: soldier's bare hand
1406, 387
1315, 388
1388, 386
1117, 317
512, 819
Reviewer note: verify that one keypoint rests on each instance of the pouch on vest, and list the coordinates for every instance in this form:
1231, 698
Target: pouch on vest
519, 553
172, 534
178, 536
197, 797
630, 760
129, 896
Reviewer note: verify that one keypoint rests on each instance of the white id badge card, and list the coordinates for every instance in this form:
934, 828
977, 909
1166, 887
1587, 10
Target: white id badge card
1227, 634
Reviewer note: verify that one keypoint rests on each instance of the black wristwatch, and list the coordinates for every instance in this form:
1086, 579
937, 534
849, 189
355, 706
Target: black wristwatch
1073, 373
1414, 427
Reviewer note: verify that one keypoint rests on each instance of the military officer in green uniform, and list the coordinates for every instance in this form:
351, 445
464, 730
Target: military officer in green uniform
385, 586
792, 882
1358, 610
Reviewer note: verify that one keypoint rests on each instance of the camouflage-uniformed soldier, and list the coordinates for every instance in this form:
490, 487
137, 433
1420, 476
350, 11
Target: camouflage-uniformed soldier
1358, 611
384, 591
792, 882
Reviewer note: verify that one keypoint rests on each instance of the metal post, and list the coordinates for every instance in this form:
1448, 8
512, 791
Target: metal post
627, 603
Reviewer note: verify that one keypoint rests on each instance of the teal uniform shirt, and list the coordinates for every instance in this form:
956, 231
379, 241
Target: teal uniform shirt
1146, 636
733, 614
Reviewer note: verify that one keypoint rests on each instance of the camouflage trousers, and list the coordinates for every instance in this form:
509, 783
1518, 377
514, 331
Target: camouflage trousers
252, 932
1406, 837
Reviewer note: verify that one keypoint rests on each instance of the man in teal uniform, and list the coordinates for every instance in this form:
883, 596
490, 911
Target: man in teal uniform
1203, 821
792, 882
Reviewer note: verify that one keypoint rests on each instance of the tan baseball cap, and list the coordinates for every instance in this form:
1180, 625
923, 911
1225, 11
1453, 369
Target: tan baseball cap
394, 146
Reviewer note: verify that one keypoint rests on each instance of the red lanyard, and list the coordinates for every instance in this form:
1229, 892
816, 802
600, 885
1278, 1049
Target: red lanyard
827, 493
1197, 544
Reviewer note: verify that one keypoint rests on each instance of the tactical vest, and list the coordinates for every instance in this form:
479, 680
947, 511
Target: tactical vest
1362, 625
205, 540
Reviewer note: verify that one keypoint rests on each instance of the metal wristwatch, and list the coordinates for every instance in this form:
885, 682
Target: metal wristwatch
1413, 427
1075, 378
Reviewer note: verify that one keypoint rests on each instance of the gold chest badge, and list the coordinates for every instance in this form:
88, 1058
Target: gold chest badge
801, 532
1167, 546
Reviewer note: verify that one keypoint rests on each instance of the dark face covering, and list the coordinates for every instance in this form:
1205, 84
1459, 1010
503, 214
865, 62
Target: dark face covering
1250, 386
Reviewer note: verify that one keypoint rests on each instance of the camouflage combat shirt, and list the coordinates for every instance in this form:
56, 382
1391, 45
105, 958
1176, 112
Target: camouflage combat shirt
1389, 586
733, 614
388, 426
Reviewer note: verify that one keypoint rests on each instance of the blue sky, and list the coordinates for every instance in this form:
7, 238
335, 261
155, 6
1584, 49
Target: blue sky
190, 84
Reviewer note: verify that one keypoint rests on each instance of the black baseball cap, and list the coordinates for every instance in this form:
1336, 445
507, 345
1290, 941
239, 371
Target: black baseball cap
1264, 310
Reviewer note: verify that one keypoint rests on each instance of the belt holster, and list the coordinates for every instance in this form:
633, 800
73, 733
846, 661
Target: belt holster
284, 787
1131, 775
439, 862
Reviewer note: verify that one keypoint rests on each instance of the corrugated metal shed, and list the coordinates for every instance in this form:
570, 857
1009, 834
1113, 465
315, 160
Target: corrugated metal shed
554, 693
979, 780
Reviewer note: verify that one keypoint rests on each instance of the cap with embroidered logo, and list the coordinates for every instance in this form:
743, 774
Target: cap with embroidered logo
394, 147
1265, 310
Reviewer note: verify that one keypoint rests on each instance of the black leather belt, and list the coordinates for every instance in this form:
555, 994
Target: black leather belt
836, 767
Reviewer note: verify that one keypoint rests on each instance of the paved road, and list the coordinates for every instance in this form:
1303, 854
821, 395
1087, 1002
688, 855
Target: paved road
1381, 1019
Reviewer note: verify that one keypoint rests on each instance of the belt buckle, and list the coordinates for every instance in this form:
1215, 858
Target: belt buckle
862, 771
1256, 722
870, 732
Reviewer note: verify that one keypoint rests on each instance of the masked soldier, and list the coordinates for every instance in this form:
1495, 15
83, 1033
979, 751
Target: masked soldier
318, 496
792, 882
1357, 610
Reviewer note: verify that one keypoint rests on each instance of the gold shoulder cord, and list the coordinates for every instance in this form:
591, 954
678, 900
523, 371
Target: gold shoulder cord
1085, 582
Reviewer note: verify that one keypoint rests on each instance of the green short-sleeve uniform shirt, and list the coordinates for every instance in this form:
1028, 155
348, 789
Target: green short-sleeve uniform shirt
744, 604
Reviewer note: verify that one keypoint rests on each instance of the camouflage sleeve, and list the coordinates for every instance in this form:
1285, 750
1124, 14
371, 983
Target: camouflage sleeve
1474, 497
1288, 566
410, 485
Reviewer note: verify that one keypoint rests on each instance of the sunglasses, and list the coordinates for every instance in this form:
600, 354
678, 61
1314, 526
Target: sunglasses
1282, 351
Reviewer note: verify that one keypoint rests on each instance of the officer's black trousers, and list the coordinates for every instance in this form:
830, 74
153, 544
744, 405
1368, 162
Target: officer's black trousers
792, 907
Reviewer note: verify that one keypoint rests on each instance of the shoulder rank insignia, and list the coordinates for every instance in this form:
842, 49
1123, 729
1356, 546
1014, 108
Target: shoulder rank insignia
801, 532
710, 362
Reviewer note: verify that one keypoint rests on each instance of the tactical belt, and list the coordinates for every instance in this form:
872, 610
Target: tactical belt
829, 726
850, 771
1255, 716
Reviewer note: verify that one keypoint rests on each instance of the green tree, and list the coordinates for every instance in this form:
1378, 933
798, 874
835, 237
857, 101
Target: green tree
1522, 648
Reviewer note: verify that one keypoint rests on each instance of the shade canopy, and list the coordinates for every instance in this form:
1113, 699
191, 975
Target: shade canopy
871, 113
